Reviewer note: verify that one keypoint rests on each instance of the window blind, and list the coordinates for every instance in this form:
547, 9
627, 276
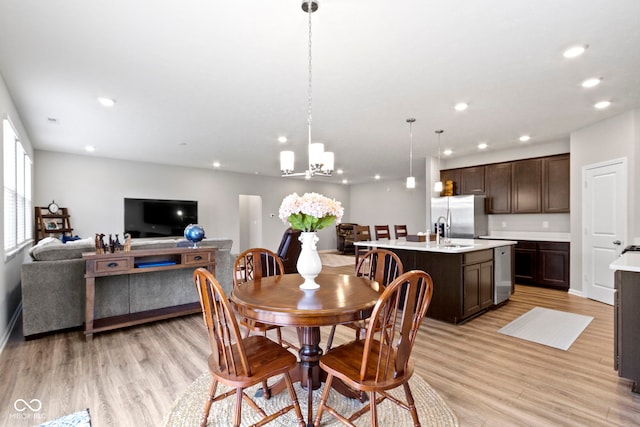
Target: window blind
17, 190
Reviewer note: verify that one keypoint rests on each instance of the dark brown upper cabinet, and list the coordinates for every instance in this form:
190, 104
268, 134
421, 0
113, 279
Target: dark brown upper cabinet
472, 180
526, 186
555, 184
498, 186
537, 185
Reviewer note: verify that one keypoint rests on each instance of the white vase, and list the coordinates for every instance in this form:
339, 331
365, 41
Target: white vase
309, 264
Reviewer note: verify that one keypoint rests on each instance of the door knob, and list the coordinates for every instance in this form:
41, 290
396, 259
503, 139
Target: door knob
617, 242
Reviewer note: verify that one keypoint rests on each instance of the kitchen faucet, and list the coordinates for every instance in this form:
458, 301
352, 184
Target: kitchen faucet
444, 221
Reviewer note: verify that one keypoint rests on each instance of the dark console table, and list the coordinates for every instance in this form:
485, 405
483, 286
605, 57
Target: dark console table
140, 262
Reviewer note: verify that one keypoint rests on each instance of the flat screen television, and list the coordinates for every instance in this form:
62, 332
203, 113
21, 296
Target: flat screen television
157, 217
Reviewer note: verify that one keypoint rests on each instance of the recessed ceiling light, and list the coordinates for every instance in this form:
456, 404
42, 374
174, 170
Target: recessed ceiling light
344, 181
106, 102
482, 145
216, 164
461, 106
574, 51
282, 139
377, 176
602, 105
339, 171
525, 138
90, 148
592, 82
447, 152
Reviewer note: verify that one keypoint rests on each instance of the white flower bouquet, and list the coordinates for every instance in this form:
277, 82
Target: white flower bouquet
310, 212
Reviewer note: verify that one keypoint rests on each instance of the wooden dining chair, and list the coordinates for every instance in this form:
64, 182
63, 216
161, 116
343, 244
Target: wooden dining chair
380, 265
253, 264
361, 233
239, 362
382, 232
400, 231
382, 361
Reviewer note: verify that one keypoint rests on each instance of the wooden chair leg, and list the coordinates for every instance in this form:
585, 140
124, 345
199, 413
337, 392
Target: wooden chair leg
411, 404
294, 400
237, 415
373, 408
323, 399
330, 339
266, 392
208, 402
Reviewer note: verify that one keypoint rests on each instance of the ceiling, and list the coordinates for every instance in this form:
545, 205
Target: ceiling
200, 81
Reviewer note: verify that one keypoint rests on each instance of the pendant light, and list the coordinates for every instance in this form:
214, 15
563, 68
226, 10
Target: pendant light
411, 180
320, 162
437, 187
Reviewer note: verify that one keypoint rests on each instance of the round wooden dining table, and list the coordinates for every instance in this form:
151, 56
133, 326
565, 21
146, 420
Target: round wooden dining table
279, 301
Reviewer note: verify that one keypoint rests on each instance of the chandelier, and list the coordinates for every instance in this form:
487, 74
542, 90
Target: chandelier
320, 161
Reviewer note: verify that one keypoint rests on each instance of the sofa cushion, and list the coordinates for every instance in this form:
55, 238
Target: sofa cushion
52, 249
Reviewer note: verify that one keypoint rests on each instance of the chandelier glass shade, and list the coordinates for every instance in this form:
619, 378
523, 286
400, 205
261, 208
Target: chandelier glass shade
321, 162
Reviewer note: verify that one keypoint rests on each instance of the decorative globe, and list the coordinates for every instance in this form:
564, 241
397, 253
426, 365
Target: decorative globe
194, 233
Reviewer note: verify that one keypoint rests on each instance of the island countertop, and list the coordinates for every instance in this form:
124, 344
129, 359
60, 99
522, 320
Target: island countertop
629, 261
455, 245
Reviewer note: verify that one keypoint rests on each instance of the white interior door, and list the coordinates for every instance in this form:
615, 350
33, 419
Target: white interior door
250, 233
604, 217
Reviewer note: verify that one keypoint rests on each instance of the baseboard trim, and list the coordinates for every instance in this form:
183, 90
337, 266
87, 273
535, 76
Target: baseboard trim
576, 293
10, 326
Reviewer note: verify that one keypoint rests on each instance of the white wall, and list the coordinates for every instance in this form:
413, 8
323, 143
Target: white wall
10, 292
613, 138
389, 203
94, 188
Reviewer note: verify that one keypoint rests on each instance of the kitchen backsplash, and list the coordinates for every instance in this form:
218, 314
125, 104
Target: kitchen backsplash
557, 223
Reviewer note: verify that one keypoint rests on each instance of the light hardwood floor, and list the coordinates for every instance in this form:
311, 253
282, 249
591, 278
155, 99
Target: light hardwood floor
131, 377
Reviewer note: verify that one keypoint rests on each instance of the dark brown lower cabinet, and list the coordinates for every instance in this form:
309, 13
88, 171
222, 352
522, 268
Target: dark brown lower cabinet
627, 327
542, 264
462, 282
478, 282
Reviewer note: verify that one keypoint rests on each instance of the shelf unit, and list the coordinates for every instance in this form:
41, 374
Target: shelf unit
48, 224
140, 262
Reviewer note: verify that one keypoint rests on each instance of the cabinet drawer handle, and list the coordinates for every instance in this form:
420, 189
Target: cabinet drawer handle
112, 264
197, 258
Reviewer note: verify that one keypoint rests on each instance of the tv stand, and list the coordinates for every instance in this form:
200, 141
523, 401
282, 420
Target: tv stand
140, 262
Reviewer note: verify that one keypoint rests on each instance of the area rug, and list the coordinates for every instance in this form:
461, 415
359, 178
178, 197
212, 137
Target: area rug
186, 410
336, 260
77, 419
553, 328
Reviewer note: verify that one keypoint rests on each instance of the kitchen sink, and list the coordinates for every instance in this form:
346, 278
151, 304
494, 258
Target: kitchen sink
453, 246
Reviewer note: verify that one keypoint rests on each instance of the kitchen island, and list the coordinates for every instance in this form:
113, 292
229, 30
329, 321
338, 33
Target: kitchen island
626, 323
464, 273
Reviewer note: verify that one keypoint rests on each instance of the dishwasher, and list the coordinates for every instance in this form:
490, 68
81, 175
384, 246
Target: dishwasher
502, 274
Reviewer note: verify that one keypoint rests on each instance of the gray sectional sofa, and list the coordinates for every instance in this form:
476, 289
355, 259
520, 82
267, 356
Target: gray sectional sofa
53, 284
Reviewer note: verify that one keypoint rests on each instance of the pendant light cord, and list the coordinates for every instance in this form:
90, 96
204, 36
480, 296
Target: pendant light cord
411, 147
309, 88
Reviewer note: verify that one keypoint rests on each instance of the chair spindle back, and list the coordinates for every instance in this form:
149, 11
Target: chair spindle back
394, 325
256, 263
222, 327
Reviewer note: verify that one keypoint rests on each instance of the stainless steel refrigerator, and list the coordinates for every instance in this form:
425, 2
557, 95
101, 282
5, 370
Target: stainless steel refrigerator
467, 215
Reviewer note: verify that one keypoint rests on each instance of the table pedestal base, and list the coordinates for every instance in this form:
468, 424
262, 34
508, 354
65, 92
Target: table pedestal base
309, 374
